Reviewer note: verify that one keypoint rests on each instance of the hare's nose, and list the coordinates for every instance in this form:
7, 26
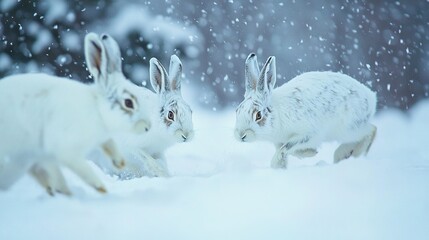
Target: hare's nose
142, 126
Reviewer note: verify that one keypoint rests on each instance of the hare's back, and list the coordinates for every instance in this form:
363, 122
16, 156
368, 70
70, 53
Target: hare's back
36, 82
327, 90
44, 91
325, 98
39, 107
326, 82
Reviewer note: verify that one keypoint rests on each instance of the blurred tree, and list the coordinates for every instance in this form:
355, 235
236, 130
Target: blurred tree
47, 36
383, 44
380, 43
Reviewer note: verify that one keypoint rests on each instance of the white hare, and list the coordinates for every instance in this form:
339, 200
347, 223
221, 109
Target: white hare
171, 123
48, 122
301, 114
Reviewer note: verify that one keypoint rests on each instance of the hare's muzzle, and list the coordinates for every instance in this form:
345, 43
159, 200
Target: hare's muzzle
142, 126
244, 135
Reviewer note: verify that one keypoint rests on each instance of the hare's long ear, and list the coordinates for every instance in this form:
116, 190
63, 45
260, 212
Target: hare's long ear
267, 80
158, 76
175, 73
251, 72
95, 56
113, 54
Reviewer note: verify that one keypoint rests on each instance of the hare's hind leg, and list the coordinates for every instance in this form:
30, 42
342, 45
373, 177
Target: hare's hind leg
81, 168
355, 149
366, 142
49, 175
344, 151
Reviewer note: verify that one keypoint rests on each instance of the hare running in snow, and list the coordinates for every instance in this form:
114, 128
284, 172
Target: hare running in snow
301, 114
48, 122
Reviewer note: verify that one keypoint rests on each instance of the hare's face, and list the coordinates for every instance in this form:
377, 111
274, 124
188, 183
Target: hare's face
121, 106
253, 120
176, 117
129, 107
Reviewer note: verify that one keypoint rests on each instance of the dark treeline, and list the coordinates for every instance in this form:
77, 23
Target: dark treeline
383, 44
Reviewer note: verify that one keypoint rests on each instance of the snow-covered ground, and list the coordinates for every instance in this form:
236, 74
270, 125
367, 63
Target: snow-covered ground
223, 189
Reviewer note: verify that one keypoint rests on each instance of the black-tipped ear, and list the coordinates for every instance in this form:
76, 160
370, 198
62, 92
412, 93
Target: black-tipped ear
175, 73
158, 76
251, 72
95, 56
113, 54
267, 80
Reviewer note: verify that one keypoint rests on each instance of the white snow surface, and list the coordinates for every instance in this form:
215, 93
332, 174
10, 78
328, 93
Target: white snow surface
223, 189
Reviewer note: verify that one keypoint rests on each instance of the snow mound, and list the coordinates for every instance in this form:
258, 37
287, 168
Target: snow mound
223, 189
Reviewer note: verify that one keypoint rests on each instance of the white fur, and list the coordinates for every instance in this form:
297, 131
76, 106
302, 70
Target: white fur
145, 153
301, 114
47, 121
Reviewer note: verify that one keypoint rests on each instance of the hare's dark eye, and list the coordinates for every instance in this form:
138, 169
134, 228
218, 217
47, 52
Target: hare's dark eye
170, 115
258, 116
129, 103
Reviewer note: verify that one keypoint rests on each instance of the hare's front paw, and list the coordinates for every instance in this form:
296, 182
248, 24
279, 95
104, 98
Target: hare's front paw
279, 160
118, 162
153, 167
111, 150
83, 170
156, 169
161, 173
305, 153
49, 175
